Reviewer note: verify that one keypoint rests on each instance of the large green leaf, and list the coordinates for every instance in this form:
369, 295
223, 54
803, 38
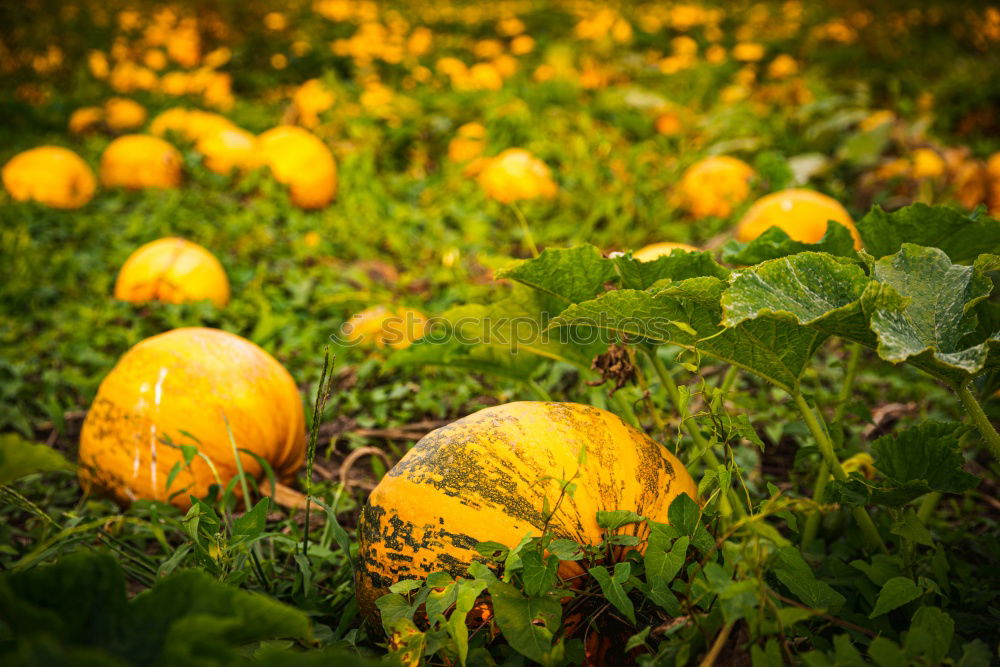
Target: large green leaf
926, 454
776, 243
506, 338
916, 306
915, 461
678, 265
961, 236
921, 309
19, 457
571, 274
813, 289
688, 313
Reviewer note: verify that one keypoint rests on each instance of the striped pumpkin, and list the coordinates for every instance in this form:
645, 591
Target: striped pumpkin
483, 478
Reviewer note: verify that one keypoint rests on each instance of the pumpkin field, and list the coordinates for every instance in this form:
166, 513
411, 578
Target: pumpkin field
344, 332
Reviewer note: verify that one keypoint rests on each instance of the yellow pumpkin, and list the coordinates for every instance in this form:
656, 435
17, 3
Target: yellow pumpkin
300, 160
140, 161
191, 124
382, 326
711, 187
172, 270
188, 380
469, 142
802, 214
121, 113
226, 149
656, 250
515, 175
310, 100
85, 119
51, 175
483, 478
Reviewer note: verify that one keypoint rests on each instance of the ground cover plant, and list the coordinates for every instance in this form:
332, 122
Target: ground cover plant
344, 332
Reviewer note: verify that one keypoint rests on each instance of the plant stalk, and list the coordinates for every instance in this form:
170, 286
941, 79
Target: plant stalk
861, 515
811, 528
979, 418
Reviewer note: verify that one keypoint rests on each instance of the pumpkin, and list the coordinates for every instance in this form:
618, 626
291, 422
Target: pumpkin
802, 214
226, 149
469, 142
711, 187
172, 270
656, 250
382, 326
51, 175
85, 119
483, 478
121, 113
189, 123
301, 161
310, 100
137, 161
190, 380
515, 175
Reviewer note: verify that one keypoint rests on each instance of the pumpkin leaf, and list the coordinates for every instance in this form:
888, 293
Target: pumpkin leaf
895, 593
776, 243
678, 265
612, 587
920, 305
924, 456
19, 458
961, 236
811, 289
688, 314
571, 274
527, 623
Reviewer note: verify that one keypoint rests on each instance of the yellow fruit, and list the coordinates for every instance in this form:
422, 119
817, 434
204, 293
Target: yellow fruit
172, 270
656, 250
311, 99
802, 214
171, 120
516, 175
301, 161
382, 326
468, 144
123, 114
490, 476
711, 187
228, 149
140, 161
85, 119
51, 175
927, 164
190, 380
191, 124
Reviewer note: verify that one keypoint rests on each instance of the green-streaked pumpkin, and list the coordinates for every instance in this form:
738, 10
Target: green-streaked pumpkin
483, 478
